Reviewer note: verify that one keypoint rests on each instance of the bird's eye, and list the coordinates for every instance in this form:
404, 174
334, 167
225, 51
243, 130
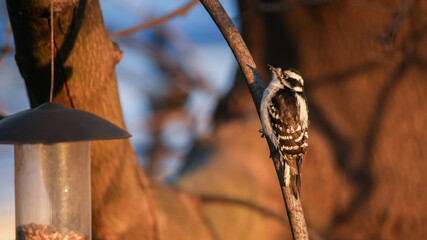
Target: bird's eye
285, 76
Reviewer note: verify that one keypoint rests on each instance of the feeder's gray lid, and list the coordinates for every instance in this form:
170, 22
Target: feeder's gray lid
52, 123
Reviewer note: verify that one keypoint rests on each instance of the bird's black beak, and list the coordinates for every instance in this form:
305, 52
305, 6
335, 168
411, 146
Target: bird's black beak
274, 70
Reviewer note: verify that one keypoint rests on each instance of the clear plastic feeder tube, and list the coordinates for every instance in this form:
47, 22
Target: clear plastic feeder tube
52, 191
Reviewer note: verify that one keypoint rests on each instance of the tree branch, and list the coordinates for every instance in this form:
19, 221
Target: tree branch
207, 198
156, 21
7, 49
238, 47
253, 79
283, 6
218, 199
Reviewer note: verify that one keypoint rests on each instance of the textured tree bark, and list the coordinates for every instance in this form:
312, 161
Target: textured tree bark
122, 203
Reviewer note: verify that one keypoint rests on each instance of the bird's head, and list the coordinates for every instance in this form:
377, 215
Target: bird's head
289, 78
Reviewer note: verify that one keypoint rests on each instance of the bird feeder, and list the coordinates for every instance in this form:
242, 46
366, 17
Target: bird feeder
52, 169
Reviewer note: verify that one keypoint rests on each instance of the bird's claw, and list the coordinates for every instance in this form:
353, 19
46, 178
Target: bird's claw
262, 135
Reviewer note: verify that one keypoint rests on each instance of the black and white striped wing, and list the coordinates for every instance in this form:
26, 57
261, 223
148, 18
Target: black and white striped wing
291, 136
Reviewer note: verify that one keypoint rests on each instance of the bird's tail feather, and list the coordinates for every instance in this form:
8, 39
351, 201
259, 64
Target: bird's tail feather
294, 175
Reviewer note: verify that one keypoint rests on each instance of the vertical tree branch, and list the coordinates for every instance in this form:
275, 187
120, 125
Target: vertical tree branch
232, 36
238, 47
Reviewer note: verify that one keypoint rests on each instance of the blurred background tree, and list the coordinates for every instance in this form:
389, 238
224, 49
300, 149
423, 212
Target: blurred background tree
363, 64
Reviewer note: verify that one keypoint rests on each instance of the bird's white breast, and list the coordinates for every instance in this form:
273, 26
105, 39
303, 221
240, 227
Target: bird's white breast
271, 90
303, 111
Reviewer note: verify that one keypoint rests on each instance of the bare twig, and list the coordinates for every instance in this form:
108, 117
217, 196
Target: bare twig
208, 198
218, 199
7, 47
283, 6
389, 39
253, 79
238, 47
156, 21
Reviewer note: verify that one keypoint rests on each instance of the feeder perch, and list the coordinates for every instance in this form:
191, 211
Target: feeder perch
52, 169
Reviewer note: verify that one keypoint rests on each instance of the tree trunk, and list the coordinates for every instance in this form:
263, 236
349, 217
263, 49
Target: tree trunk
122, 200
